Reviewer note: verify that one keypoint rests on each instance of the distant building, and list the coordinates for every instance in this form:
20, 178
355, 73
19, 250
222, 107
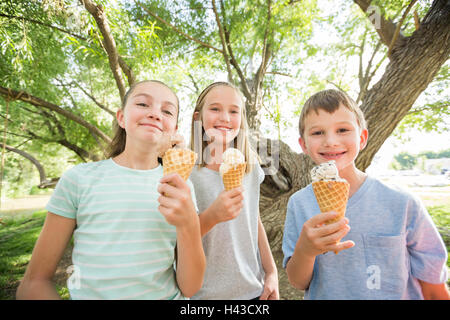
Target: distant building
437, 166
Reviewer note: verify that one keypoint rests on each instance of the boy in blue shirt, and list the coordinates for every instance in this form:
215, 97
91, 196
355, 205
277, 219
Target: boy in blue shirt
393, 250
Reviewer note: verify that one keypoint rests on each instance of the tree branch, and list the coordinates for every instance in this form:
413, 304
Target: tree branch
108, 42
233, 60
386, 28
44, 24
37, 164
38, 102
222, 40
399, 24
185, 35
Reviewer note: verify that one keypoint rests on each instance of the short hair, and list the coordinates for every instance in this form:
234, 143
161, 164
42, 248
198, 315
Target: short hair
329, 101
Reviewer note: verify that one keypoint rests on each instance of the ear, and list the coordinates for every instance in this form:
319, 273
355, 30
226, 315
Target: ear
120, 118
363, 139
302, 143
196, 115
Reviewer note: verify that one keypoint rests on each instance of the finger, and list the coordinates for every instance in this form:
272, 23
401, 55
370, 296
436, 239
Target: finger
235, 192
173, 179
335, 237
321, 218
177, 141
168, 190
164, 144
342, 246
265, 294
329, 229
165, 201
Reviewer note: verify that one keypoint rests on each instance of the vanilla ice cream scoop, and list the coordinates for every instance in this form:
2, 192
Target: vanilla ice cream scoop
230, 158
325, 171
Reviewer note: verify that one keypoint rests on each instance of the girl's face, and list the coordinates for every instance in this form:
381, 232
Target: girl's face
150, 111
221, 114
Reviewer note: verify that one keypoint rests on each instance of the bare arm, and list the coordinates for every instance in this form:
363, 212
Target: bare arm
434, 291
178, 209
270, 269
37, 281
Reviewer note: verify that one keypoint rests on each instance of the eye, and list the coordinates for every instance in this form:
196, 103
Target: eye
168, 112
343, 130
142, 104
317, 133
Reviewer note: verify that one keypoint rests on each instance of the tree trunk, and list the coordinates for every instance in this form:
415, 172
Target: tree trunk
414, 62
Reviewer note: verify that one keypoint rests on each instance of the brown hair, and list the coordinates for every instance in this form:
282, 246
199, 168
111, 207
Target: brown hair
329, 101
120, 136
241, 142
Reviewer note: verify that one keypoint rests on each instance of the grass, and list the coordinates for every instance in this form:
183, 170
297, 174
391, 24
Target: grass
18, 235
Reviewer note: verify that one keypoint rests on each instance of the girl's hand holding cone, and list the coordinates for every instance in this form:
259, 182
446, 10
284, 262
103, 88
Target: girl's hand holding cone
176, 202
228, 205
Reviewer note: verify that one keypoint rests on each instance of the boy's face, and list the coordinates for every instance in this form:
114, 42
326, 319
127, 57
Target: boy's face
333, 136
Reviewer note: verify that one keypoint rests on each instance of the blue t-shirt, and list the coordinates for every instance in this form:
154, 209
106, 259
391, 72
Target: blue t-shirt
123, 246
396, 243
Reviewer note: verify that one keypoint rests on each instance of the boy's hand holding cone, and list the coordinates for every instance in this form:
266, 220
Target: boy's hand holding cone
331, 191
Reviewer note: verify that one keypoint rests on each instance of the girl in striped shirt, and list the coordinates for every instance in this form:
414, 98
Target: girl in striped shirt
136, 233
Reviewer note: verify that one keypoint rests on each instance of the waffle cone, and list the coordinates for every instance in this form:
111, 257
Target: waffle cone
180, 161
233, 177
332, 196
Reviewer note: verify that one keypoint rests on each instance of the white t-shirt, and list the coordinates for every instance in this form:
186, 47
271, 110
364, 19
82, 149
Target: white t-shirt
233, 263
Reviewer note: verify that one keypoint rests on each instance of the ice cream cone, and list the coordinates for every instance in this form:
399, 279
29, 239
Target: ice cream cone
233, 177
332, 196
180, 161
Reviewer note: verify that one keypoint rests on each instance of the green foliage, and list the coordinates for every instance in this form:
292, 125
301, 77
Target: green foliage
404, 161
54, 50
407, 161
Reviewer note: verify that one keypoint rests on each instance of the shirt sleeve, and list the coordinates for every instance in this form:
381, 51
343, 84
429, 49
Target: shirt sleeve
425, 245
261, 174
64, 200
291, 232
194, 199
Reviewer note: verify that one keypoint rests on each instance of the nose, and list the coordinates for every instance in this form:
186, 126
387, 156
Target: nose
154, 113
224, 116
331, 139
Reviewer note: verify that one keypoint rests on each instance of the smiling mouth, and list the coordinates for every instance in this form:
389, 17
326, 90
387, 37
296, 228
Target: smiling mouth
223, 128
151, 125
332, 155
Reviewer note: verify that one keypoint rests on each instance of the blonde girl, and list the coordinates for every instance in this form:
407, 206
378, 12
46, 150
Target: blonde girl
239, 261
126, 218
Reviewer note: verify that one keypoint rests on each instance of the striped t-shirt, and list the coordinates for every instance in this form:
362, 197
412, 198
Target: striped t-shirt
123, 246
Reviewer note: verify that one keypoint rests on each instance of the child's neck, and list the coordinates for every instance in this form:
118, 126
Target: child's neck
136, 158
354, 177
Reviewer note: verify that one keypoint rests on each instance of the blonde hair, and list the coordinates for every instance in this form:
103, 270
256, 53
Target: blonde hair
240, 142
